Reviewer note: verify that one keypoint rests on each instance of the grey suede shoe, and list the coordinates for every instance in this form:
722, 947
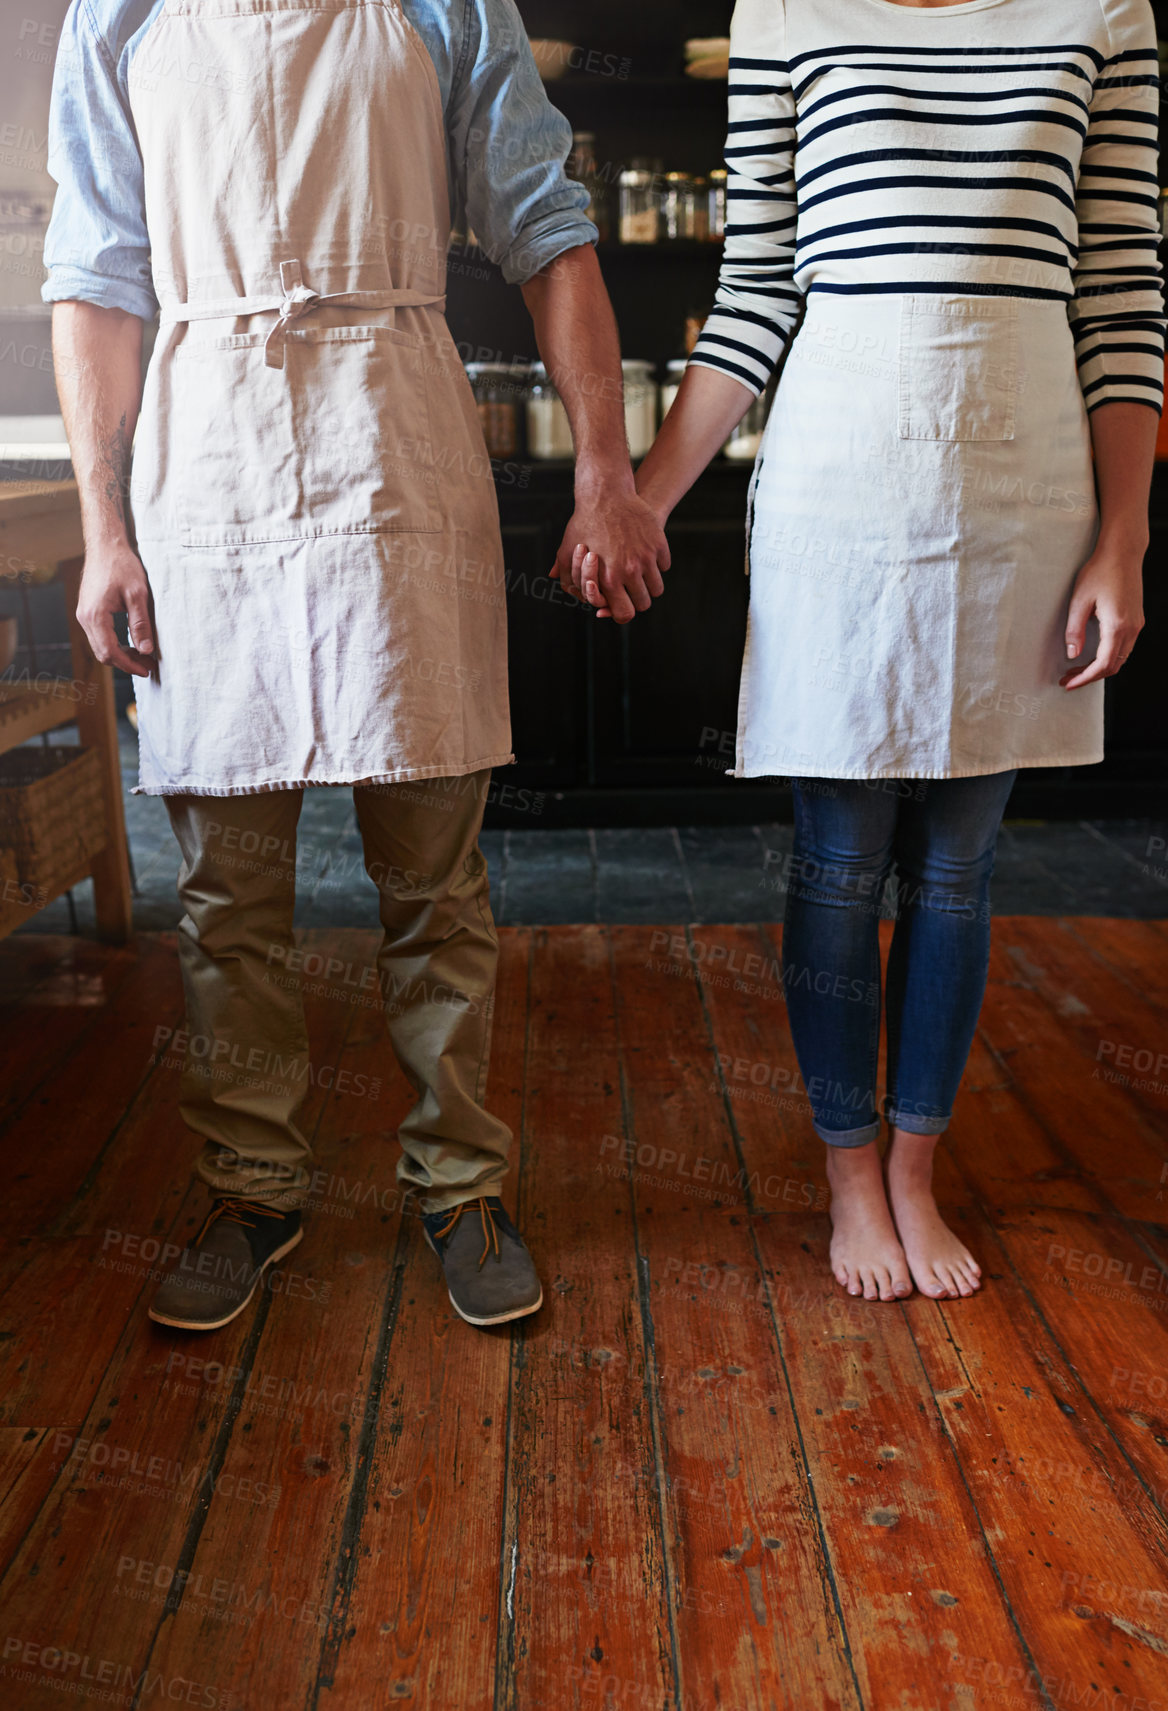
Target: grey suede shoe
489, 1273
218, 1274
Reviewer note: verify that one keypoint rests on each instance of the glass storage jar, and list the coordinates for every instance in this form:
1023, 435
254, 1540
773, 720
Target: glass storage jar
744, 442
639, 213
716, 204
667, 391
682, 208
498, 389
549, 433
640, 405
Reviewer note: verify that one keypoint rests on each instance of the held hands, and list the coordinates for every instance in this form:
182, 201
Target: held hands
1110, 588
113, 580
612, 554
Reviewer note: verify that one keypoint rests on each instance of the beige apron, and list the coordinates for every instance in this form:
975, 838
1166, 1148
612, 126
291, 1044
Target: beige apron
312, 497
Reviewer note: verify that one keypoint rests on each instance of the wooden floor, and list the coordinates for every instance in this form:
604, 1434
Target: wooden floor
700, 1478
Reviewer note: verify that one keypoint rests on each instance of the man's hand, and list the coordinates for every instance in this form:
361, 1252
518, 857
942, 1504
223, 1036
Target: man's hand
612, 555
1108, 588
113, 580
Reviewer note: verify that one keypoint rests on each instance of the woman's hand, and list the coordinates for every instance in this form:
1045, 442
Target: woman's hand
612, 554
1109, 588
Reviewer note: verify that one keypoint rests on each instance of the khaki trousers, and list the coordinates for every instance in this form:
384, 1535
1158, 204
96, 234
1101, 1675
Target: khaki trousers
248, 1066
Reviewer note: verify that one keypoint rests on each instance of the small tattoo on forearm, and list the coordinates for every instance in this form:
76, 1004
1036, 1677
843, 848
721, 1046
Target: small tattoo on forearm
115, 457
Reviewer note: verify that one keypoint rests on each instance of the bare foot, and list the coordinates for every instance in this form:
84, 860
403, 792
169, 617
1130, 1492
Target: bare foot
941, 1264
866, 1256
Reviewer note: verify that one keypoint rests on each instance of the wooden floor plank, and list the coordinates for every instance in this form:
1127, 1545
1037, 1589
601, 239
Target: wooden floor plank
896, 1511
585, 1617
420, 1553
1105, 1301
40, 1029
757, 1602
301, 1421
1136, 950
59, 1134
1044, 1471
1112, 1025
26, 1477
701, 1479
145, 1465
1114, 1142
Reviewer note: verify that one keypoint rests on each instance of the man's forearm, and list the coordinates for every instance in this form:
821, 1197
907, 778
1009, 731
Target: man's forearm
1123, 436
97, 356
577, 336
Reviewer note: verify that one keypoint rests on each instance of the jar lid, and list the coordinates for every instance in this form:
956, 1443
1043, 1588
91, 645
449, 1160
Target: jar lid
636, 365
635, 177
677, 178
510, 370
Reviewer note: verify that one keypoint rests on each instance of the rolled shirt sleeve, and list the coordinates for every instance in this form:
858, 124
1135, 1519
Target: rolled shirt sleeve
509, 145
1117, 310
757, 302
97, 249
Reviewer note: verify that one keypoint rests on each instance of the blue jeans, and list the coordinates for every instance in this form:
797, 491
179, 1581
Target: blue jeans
848, 833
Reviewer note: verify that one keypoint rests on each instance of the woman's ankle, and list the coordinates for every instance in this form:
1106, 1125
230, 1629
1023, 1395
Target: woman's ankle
910, 1162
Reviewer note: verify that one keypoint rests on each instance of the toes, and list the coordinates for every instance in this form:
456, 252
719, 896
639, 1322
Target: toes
871, 1293
902, 1284
884, 1285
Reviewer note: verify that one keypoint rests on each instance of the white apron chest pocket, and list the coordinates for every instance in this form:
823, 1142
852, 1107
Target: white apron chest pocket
337, 441
958, 368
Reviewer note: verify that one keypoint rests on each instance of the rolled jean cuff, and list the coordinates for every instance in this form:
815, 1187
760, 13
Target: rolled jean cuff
848, 1137
912, 1124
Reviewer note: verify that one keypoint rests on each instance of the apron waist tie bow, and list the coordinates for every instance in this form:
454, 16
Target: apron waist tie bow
297, 300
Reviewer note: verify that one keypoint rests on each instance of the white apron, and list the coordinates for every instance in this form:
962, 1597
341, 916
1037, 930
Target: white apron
923, 500
312, 497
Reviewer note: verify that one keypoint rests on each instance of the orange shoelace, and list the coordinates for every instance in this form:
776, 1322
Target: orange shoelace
487, 1215
237, 1211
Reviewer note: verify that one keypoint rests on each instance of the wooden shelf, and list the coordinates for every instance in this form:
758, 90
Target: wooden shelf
672, 91
675, 248
40, 539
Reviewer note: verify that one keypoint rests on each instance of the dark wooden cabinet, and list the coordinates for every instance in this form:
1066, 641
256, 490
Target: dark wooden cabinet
634, 724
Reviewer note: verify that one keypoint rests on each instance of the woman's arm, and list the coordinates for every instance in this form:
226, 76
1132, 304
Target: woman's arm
708, 407
1110, 585
1117, 315
757, 302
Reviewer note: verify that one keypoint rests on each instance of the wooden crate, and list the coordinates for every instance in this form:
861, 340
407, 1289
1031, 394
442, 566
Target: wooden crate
52, 813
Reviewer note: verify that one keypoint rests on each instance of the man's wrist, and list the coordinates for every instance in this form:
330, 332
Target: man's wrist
609, 475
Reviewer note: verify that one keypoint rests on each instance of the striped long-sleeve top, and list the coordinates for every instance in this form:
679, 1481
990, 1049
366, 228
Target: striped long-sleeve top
987, 147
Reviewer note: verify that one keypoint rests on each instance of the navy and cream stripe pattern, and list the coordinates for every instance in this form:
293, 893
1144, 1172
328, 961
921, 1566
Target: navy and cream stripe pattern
991, 147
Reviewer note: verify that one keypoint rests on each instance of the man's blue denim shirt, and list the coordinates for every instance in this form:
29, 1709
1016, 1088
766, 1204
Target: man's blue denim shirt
505, 148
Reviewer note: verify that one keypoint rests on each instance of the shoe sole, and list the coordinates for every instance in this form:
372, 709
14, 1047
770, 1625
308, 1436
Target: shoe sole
217, 1324
495, 1318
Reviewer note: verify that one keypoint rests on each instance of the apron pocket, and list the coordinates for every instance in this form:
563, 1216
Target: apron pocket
335, 442
958, 368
